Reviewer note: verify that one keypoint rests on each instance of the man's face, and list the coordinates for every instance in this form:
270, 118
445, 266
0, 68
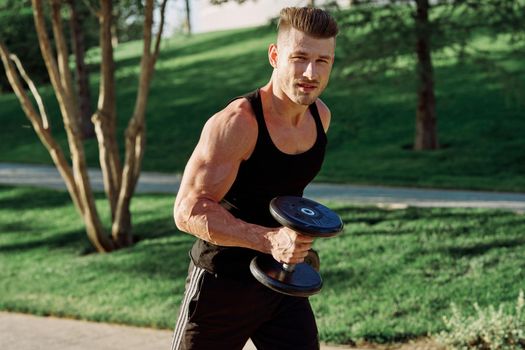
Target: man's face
302, 65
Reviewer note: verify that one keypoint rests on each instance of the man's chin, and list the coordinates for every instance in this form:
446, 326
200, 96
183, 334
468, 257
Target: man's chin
305, 100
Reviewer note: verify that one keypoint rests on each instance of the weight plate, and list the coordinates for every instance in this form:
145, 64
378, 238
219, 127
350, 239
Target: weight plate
313, 260
302, 282
306, 216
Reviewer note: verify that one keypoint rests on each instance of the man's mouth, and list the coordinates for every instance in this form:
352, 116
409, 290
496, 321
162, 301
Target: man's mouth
307, 86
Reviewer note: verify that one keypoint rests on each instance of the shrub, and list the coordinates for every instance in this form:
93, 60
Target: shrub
488, 329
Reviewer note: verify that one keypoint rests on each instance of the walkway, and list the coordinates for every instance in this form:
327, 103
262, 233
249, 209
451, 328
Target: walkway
48, 177
27, 332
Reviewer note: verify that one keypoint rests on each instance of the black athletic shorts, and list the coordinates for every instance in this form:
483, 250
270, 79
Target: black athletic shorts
222, 313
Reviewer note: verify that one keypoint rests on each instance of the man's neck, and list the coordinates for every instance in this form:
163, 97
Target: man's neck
279, 105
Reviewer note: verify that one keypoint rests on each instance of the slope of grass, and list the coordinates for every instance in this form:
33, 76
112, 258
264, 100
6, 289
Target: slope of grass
390, 276
480, 123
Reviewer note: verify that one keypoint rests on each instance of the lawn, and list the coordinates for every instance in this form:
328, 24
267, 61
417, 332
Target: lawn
390, 276
480, 123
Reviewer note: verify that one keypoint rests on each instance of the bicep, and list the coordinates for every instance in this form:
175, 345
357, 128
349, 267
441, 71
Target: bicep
213, 166
207, 175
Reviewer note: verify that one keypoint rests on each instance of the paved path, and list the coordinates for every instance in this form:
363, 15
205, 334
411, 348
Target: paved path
47, 176
27, 332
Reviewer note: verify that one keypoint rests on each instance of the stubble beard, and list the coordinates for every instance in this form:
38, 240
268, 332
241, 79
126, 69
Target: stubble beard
299, 97
292, 90
303, 98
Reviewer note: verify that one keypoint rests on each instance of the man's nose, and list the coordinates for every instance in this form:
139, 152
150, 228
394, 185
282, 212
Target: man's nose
310, 71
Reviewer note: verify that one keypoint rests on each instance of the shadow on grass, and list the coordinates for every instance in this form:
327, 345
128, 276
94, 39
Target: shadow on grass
160, 259
215, 41
16, 228
21, 233
74, 239
157, 252
182, 49
27, 198
482, 248
374, 215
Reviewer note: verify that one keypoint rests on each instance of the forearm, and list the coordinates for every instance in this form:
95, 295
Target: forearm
208, 220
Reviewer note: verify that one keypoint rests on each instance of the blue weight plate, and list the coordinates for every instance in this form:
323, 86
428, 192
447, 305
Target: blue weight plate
306, 216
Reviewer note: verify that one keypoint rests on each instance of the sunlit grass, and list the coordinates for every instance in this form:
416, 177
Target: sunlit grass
390, 276
479, 112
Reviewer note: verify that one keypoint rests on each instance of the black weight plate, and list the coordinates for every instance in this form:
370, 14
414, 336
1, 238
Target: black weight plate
306, 216
313, 260
302, 282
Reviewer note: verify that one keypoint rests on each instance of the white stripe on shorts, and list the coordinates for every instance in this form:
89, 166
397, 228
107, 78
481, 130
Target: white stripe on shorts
192, 289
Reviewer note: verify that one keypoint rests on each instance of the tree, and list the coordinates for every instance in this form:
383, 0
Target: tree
187, 21
119, 180
76, 21
377, 33
426, 131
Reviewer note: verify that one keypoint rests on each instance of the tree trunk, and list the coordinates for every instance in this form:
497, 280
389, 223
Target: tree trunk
105, 118
187, 23
62, 84
119, 182
87, 128
426, 129
136, 130
311, 3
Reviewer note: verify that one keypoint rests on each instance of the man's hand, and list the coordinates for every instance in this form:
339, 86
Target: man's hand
288, 246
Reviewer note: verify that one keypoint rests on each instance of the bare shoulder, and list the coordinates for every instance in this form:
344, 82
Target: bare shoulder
232, 130
324, 113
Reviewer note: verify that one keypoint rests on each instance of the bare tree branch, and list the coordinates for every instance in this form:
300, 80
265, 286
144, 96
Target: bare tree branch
62, 53
161, 29
34, 90
45, 46
43, 132
135, 132
105, 118
69, 111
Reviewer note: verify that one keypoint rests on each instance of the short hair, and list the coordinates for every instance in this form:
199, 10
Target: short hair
309, 20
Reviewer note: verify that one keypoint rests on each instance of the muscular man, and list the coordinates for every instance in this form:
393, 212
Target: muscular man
267, 143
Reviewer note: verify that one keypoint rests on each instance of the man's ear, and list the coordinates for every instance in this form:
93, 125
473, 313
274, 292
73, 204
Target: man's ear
272, 55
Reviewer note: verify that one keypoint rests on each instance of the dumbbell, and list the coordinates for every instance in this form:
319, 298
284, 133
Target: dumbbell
306, 217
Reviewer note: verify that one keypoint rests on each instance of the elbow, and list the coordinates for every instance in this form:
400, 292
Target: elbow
190, 216
180, 223
180, 217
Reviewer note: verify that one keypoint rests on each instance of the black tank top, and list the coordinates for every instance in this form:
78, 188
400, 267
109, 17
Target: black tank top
268, 173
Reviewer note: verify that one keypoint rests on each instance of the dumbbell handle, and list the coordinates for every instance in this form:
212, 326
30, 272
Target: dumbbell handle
288, 267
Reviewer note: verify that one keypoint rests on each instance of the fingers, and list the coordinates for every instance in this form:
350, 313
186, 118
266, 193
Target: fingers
297, 258
292, 247
299, 238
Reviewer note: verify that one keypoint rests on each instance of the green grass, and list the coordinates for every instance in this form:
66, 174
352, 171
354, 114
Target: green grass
480, 124
389, 277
